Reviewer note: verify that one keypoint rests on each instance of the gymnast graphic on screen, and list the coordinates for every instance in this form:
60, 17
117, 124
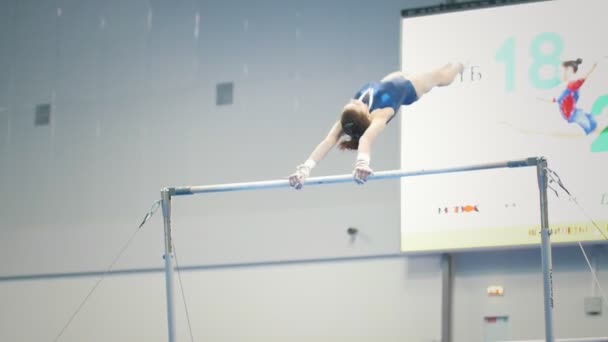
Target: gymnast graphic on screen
366, 116
567, 101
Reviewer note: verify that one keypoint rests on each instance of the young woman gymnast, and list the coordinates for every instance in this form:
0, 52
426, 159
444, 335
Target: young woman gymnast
365, 116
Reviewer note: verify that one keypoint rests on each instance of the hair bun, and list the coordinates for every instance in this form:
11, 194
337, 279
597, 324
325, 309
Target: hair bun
579, 61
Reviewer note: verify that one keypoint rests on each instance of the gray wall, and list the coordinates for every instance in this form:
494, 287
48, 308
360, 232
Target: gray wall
135, 111
133, 94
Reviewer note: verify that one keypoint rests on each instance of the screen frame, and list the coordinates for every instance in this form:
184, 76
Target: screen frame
451, 8
461, 6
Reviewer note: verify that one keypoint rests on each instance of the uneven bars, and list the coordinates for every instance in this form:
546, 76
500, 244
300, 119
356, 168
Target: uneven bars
282, 183
540, 163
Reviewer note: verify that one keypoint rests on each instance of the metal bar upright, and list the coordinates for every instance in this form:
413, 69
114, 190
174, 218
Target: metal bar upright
166, 205
545, 234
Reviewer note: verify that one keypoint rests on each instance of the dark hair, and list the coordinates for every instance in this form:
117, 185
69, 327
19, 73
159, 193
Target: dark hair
354, 124
351, 144
573, 64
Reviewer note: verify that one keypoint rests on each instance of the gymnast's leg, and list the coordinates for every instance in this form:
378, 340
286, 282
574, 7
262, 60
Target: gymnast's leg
424, 82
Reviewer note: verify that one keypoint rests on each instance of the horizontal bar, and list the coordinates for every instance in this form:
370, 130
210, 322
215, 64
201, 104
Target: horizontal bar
283, 183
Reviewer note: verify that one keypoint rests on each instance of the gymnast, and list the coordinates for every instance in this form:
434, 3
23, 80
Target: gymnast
366, 116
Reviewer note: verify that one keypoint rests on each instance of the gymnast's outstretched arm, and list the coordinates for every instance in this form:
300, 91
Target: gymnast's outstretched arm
327, 143
303, 171
379, 119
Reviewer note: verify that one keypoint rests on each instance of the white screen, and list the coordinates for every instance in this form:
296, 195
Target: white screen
500, 109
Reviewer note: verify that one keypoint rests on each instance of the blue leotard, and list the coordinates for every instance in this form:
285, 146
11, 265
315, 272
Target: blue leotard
391, 93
